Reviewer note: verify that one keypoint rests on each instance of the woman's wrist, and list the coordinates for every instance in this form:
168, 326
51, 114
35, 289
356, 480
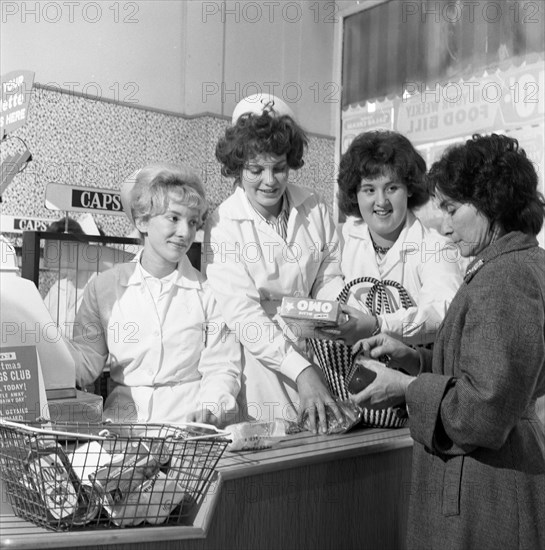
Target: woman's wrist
368, 324
404, 383
414, 363
408, 381
377, 327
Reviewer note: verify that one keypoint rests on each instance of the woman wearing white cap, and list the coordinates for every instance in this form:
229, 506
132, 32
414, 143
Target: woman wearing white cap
270, 239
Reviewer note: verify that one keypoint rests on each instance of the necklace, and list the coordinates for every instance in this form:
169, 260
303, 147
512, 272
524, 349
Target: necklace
380, 250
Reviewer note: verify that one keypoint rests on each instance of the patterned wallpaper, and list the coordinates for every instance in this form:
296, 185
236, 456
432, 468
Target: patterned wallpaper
75, 140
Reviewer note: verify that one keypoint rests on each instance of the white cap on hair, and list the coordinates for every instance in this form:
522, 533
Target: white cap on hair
126, 189
257, 104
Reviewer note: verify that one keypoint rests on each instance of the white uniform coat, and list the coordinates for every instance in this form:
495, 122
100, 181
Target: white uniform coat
250, 268
421, 260
164, 362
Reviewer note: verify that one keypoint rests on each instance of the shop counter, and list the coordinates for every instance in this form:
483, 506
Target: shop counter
340, 491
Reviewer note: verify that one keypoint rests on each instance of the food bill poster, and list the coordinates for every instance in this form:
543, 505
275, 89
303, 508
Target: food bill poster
22, 390
507, 99
498, 101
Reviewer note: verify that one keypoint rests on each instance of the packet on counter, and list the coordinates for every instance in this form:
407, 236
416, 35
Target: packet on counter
352, 414
250, 436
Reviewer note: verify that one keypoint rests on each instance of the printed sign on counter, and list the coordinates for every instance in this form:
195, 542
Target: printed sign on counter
22, 394
83, 199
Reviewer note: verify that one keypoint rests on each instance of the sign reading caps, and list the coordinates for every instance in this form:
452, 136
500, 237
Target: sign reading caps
83, 199
15, 90
20, 383
18, 224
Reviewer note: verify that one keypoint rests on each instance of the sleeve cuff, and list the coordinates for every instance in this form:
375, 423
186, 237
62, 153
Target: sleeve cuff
293, 364
423, 398
219, 404
425, 356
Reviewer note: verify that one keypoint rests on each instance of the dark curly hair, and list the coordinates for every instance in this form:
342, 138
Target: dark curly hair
256, 134
375, 154
494, 175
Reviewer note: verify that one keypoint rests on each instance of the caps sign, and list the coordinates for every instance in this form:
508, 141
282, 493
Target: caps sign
83, 199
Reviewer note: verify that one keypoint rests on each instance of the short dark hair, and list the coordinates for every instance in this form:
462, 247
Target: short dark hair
375, 154
494, 175
256, 134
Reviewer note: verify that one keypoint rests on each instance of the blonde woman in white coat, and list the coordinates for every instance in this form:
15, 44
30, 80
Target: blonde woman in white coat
155, 321
381, 179
268, 240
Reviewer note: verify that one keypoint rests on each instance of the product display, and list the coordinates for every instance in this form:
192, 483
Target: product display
304, 315
49, 472
151, 501
106, 475
250, 436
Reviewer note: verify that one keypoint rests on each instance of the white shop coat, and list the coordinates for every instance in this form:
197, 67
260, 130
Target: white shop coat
250, 268
421, 260
164, 363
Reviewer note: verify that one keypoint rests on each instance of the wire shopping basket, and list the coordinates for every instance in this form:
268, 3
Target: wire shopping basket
87, 476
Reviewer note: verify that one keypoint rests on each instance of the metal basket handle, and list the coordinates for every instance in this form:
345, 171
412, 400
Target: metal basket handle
107, 435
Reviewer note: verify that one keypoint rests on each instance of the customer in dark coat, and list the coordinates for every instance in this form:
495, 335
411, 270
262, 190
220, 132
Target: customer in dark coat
479, 450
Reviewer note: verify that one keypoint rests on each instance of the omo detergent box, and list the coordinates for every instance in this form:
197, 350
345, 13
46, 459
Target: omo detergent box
304, 315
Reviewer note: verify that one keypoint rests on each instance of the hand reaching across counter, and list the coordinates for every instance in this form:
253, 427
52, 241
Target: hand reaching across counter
314, 398
204, 416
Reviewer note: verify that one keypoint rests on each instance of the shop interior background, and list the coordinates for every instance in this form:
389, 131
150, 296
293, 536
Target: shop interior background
119, 84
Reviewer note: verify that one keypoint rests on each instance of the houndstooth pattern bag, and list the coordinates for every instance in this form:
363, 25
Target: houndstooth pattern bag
337, 361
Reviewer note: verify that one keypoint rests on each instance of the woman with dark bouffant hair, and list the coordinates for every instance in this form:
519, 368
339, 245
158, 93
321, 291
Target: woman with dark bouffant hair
268, 240
381, 180
479, 449
253, 136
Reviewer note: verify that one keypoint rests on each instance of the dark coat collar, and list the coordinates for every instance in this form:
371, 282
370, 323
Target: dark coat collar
513, 241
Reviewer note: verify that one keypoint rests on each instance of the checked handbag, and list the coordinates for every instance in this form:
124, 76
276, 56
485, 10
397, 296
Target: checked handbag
337, 361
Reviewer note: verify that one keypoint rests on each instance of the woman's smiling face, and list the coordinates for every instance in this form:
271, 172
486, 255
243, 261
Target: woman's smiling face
383, 206
168, 236
264, 178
